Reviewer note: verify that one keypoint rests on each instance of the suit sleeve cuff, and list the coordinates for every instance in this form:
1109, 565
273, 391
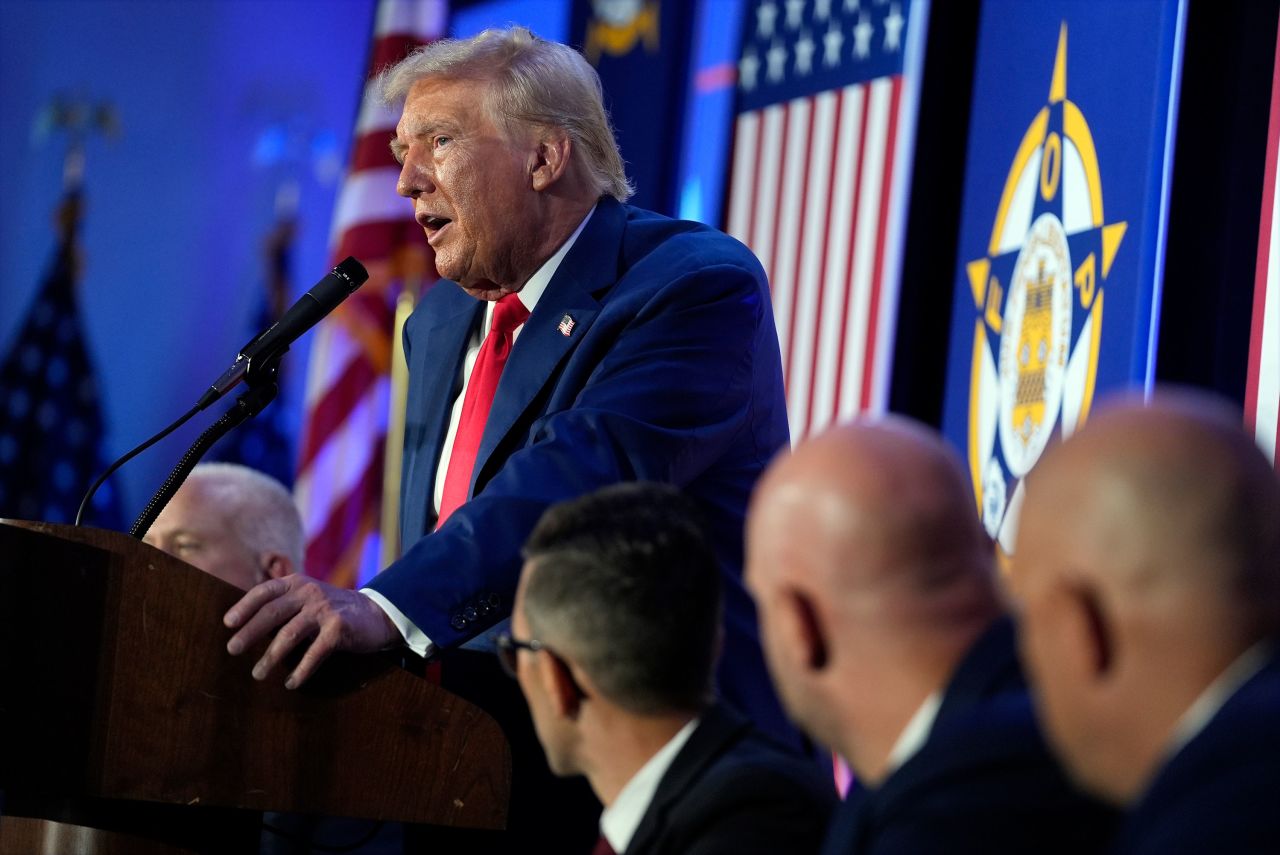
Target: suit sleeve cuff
414, 638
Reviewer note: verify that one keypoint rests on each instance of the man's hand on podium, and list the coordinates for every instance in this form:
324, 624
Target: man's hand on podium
306, 611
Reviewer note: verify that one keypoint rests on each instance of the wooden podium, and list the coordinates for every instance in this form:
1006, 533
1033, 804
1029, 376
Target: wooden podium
120, 709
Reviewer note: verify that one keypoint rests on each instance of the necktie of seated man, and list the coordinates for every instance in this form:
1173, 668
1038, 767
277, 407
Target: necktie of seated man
508, 314
603, 847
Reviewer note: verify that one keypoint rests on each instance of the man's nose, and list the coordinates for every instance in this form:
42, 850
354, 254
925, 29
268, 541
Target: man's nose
415, 179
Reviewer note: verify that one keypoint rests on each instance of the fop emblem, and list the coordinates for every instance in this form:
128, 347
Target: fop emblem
1038, 302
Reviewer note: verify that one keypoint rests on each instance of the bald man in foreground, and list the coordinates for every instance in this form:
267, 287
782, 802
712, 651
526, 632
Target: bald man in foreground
885, 634
1148, 559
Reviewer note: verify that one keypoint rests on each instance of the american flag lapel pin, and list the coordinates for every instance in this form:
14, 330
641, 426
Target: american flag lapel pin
566, 325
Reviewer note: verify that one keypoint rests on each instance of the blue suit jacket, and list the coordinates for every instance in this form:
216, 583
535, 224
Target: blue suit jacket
732, 791
983, 782
1221, 791
651, 355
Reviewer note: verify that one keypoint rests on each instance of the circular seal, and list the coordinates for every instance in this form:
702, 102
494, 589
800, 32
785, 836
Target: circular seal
1035, 344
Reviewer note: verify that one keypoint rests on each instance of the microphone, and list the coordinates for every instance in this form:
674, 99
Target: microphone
271, 344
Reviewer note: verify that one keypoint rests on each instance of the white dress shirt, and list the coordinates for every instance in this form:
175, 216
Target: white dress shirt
619, 821
414, 638
915, 734
1216, 694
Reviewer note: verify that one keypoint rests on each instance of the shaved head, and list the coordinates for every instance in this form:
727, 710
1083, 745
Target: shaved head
870, 567
1148, 560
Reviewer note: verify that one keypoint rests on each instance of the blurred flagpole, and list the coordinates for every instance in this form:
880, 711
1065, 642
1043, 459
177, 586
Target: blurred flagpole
349, 393
395, 433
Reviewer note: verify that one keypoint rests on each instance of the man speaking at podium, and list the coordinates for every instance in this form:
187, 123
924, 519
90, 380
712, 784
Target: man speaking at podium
581, 342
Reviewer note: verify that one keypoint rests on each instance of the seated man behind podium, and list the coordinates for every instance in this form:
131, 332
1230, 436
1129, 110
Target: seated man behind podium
232, 522
615, 633
885, 633
1149, 562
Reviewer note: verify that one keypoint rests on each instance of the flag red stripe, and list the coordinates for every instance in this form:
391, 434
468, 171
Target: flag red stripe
333, 407
373, 151
380, 239
869, 367
390, 49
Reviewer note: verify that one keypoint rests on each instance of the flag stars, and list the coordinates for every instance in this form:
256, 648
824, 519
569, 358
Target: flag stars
804, 53
766, 19
822, 10
748, 68
777, 60
852, 5
795, 11
832, 44
893, 28
862, 37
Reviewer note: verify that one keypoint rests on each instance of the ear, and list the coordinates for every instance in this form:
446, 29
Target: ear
273, 565
551, 159
803, 629
559, 685
1087, 630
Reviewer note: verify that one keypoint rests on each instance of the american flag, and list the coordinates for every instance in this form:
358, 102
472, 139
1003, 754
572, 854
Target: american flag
822, 147
51, 426
339, 484
1262, 390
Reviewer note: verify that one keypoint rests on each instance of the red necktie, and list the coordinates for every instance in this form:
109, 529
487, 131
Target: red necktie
508, 314
603, 847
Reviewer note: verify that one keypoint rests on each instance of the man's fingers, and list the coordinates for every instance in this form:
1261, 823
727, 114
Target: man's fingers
323, 645
304, 612
296, 631
269, 615
248, 605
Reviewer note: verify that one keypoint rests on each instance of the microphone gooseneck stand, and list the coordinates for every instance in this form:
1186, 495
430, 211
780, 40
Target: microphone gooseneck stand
258, 365
263, 386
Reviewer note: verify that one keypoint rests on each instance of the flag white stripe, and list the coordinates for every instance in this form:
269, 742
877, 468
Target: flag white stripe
368, 196
375, 115
423, 18
343, 459
744, 158
332, 350
766, 207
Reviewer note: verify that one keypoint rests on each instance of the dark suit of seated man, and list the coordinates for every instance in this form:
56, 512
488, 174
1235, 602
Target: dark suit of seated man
1148, 559
615, 634
886, 638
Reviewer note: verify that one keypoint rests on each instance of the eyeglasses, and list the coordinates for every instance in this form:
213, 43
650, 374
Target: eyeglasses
509, 650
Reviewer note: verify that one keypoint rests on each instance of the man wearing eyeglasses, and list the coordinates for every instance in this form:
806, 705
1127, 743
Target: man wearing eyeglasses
614, 637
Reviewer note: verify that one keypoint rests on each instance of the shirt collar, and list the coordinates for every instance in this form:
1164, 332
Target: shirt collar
1216, 694
915, 734
538, 282
619, 821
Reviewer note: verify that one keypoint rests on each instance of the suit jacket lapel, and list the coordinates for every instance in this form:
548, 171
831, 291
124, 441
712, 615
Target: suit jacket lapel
720, 727
440, 327
588, 269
